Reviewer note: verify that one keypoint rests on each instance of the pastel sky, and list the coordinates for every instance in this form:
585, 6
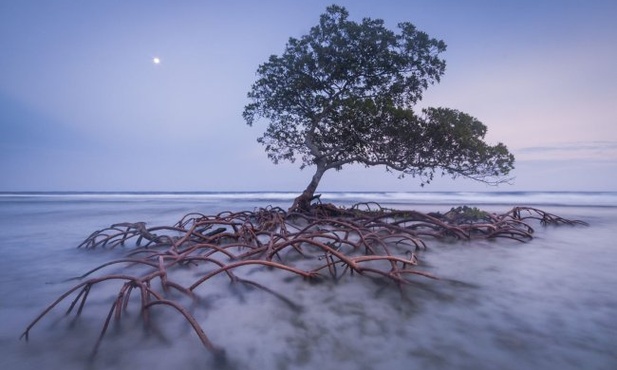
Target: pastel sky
84, 108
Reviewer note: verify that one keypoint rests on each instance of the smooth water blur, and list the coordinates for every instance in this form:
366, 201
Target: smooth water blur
546, 304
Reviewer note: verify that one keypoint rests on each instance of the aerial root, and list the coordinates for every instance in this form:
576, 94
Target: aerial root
326, 241
545, 218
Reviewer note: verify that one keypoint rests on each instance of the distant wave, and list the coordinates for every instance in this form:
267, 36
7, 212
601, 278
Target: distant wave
597, 199
607, 199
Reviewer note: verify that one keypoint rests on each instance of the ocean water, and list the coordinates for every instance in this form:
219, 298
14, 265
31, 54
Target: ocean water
546, 304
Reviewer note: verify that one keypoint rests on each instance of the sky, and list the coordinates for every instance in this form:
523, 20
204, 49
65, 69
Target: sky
83, 107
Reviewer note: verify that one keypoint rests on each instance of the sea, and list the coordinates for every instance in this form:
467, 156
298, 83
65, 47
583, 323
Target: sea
550, 303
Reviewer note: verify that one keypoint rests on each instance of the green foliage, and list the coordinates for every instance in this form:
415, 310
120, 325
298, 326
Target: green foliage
466, 214
343, 94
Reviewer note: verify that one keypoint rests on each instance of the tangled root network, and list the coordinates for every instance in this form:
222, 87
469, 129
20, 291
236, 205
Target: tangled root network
326, 242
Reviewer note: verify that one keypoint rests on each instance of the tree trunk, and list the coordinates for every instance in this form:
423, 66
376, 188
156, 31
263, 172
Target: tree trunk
303, 202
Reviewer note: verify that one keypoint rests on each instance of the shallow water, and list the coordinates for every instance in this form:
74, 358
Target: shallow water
546, 304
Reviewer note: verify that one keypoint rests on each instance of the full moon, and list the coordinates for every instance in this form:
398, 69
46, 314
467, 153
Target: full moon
156, 60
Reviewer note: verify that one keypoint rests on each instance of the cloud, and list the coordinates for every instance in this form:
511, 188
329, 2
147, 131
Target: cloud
590, 150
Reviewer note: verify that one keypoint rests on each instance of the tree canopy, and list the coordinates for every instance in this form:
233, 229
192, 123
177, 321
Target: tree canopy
344, 94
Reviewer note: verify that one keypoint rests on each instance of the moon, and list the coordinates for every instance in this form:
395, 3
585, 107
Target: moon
156, 60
